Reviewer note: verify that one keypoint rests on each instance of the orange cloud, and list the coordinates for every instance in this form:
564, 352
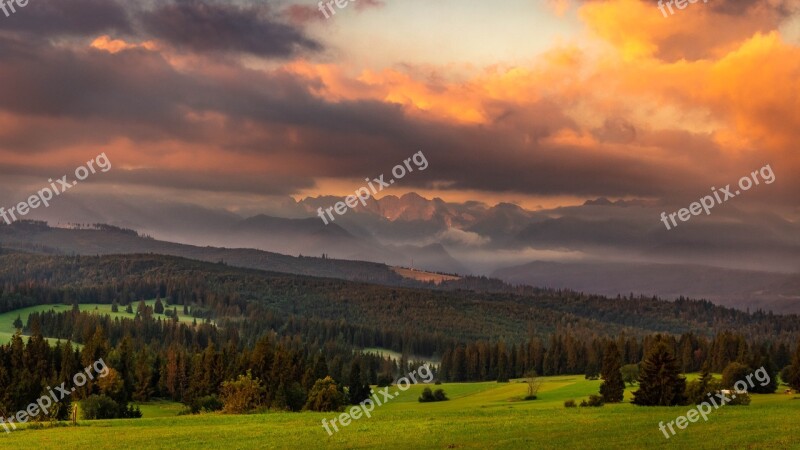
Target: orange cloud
639, 29
105, 43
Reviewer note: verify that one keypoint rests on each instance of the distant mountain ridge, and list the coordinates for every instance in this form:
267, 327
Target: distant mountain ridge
474, 238
734, 288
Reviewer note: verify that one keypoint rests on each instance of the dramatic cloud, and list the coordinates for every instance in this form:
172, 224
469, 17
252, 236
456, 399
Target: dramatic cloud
204, 25
240, 97
55, 18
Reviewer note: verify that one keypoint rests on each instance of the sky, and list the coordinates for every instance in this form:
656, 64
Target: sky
242, 105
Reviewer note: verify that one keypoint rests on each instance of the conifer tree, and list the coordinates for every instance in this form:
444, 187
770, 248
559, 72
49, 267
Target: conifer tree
794, 370
660, 381
613, 387
358, 391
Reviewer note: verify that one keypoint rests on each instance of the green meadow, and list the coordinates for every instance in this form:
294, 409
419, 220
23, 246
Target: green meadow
7, 319
477, 416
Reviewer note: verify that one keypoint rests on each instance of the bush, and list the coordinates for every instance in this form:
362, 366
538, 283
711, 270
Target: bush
243, 395
209, 403
786, 373
697, 391
742, 399
433, 396
733, 373
630, 373
384, 380
594, 401
99, 407
570, 404
324, 396
427, 396
131, 412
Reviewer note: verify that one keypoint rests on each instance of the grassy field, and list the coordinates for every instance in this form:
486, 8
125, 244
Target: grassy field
7, 319
478, 416
421, 275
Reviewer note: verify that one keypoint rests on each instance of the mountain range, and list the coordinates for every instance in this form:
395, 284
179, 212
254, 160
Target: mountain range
734, 257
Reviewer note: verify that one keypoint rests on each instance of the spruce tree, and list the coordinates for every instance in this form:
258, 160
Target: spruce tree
794, 370
697, 391
660, 381
358, 391
772, 372
613, 387
502, 367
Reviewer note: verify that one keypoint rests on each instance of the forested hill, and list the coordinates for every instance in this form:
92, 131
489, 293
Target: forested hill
38, 237
228, 293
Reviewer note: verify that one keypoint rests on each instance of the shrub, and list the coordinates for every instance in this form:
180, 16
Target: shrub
742, 399
697, 391
243, 395
433, 396
427, 396
594, 401
208, 403
786, 373
131, 412
384, 380
630, 373
570, 404
734, 372
534, 383
99, 407
324, 396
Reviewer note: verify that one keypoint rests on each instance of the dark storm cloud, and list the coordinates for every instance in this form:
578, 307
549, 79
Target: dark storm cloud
194, 25
82, 95
202, 26
136, 94
55, 81
47, 18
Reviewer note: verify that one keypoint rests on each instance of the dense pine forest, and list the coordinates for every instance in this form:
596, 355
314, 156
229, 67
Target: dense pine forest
287, 333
